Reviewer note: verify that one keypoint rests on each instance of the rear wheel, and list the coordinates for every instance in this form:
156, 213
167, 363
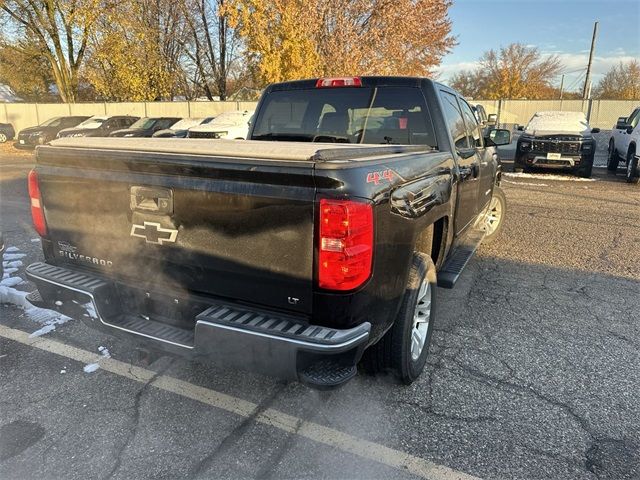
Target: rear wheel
613, 160
494, 218
632, 167
404, 348
3, 137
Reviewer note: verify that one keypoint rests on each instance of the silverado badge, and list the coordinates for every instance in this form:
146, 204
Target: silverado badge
152, 232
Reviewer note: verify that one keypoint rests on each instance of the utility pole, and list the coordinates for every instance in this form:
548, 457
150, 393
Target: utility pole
561, 86
587, 80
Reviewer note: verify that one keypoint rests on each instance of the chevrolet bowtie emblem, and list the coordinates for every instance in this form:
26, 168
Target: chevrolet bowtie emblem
153, 233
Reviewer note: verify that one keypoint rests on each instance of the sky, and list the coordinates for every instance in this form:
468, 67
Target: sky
560, 27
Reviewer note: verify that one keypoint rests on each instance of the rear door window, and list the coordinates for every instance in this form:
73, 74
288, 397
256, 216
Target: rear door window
456, 125
474, 138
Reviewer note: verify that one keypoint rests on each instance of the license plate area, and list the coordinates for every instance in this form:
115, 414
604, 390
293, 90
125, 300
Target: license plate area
554, 156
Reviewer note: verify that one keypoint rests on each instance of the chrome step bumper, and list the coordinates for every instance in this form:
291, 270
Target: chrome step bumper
236, 336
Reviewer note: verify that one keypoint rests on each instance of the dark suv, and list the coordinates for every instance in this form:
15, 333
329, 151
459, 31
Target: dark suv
557, 140
47, 131
99, 126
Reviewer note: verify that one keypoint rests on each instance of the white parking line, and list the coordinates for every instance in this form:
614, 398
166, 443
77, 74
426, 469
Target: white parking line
288, 423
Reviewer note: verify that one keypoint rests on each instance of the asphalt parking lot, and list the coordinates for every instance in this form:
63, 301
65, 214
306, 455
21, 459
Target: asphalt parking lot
534, 372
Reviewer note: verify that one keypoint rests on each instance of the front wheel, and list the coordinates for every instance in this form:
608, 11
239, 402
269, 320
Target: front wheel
404, 348
494, 217
613, 160
3, 137
632, 168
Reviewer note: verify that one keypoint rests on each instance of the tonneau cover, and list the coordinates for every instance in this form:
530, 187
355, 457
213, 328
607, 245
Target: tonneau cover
264, 150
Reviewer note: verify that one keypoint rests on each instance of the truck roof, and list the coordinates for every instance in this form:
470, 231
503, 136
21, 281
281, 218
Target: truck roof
367, 81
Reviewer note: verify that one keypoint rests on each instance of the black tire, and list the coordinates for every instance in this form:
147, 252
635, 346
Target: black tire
586, 170
500, 197
613, 160
393, 350
631, 175
3, 137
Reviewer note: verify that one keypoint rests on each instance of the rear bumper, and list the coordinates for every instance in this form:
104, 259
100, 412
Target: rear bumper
235, 336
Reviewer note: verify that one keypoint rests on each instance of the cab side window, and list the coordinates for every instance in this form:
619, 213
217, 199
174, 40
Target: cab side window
453, 115
473, 129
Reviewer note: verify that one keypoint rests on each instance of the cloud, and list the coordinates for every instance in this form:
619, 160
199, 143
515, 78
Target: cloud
574, 64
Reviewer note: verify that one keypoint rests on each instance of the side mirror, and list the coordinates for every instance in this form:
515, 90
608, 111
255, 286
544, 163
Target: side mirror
629, 129
492, 119
595, 130
498, 136
520, 128
622, 120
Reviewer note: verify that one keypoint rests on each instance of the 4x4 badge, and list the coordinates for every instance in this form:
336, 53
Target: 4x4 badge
152, 232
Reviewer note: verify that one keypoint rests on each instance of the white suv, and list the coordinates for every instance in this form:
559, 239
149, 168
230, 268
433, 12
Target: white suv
624, 142
231, 125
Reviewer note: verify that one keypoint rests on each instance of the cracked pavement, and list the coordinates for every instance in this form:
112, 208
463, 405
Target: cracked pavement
534, 370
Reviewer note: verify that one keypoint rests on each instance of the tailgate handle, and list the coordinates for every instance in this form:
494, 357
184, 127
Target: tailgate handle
151, 199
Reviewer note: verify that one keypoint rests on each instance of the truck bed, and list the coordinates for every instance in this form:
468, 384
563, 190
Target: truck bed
246, 149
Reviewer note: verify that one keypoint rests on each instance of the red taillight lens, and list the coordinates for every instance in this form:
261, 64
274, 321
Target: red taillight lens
345, 244
37, 211
339, 82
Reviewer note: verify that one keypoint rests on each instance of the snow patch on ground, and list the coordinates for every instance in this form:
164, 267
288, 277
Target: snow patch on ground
548, 176
91, 367
47, 319
13, 256
11, 281
12, 249
14, 264
34, 240
9, 271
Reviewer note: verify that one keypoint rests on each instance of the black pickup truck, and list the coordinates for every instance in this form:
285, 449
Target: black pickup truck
316, 243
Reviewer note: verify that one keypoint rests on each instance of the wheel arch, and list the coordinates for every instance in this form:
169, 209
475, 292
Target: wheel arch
432, 240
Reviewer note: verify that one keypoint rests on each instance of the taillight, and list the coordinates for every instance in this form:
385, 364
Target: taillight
37, 210
339, 82
345, 244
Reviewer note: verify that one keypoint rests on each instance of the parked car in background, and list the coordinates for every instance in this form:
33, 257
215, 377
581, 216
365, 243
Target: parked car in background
181, 128
623, 144
557, 140
47, 131
99, 126
6, 132
231, 125
145, 127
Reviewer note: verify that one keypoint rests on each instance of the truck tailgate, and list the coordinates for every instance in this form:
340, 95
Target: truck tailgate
176, 222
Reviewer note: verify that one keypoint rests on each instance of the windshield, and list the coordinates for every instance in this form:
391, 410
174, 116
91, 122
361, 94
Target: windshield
144, 123
93, 122
235, 118
186, 123
558, 122
52, 122
382, 115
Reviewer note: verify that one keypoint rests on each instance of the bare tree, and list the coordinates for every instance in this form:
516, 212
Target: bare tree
622, 82
60, 30
212, 47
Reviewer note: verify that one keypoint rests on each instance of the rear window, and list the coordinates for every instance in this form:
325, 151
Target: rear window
382, 115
